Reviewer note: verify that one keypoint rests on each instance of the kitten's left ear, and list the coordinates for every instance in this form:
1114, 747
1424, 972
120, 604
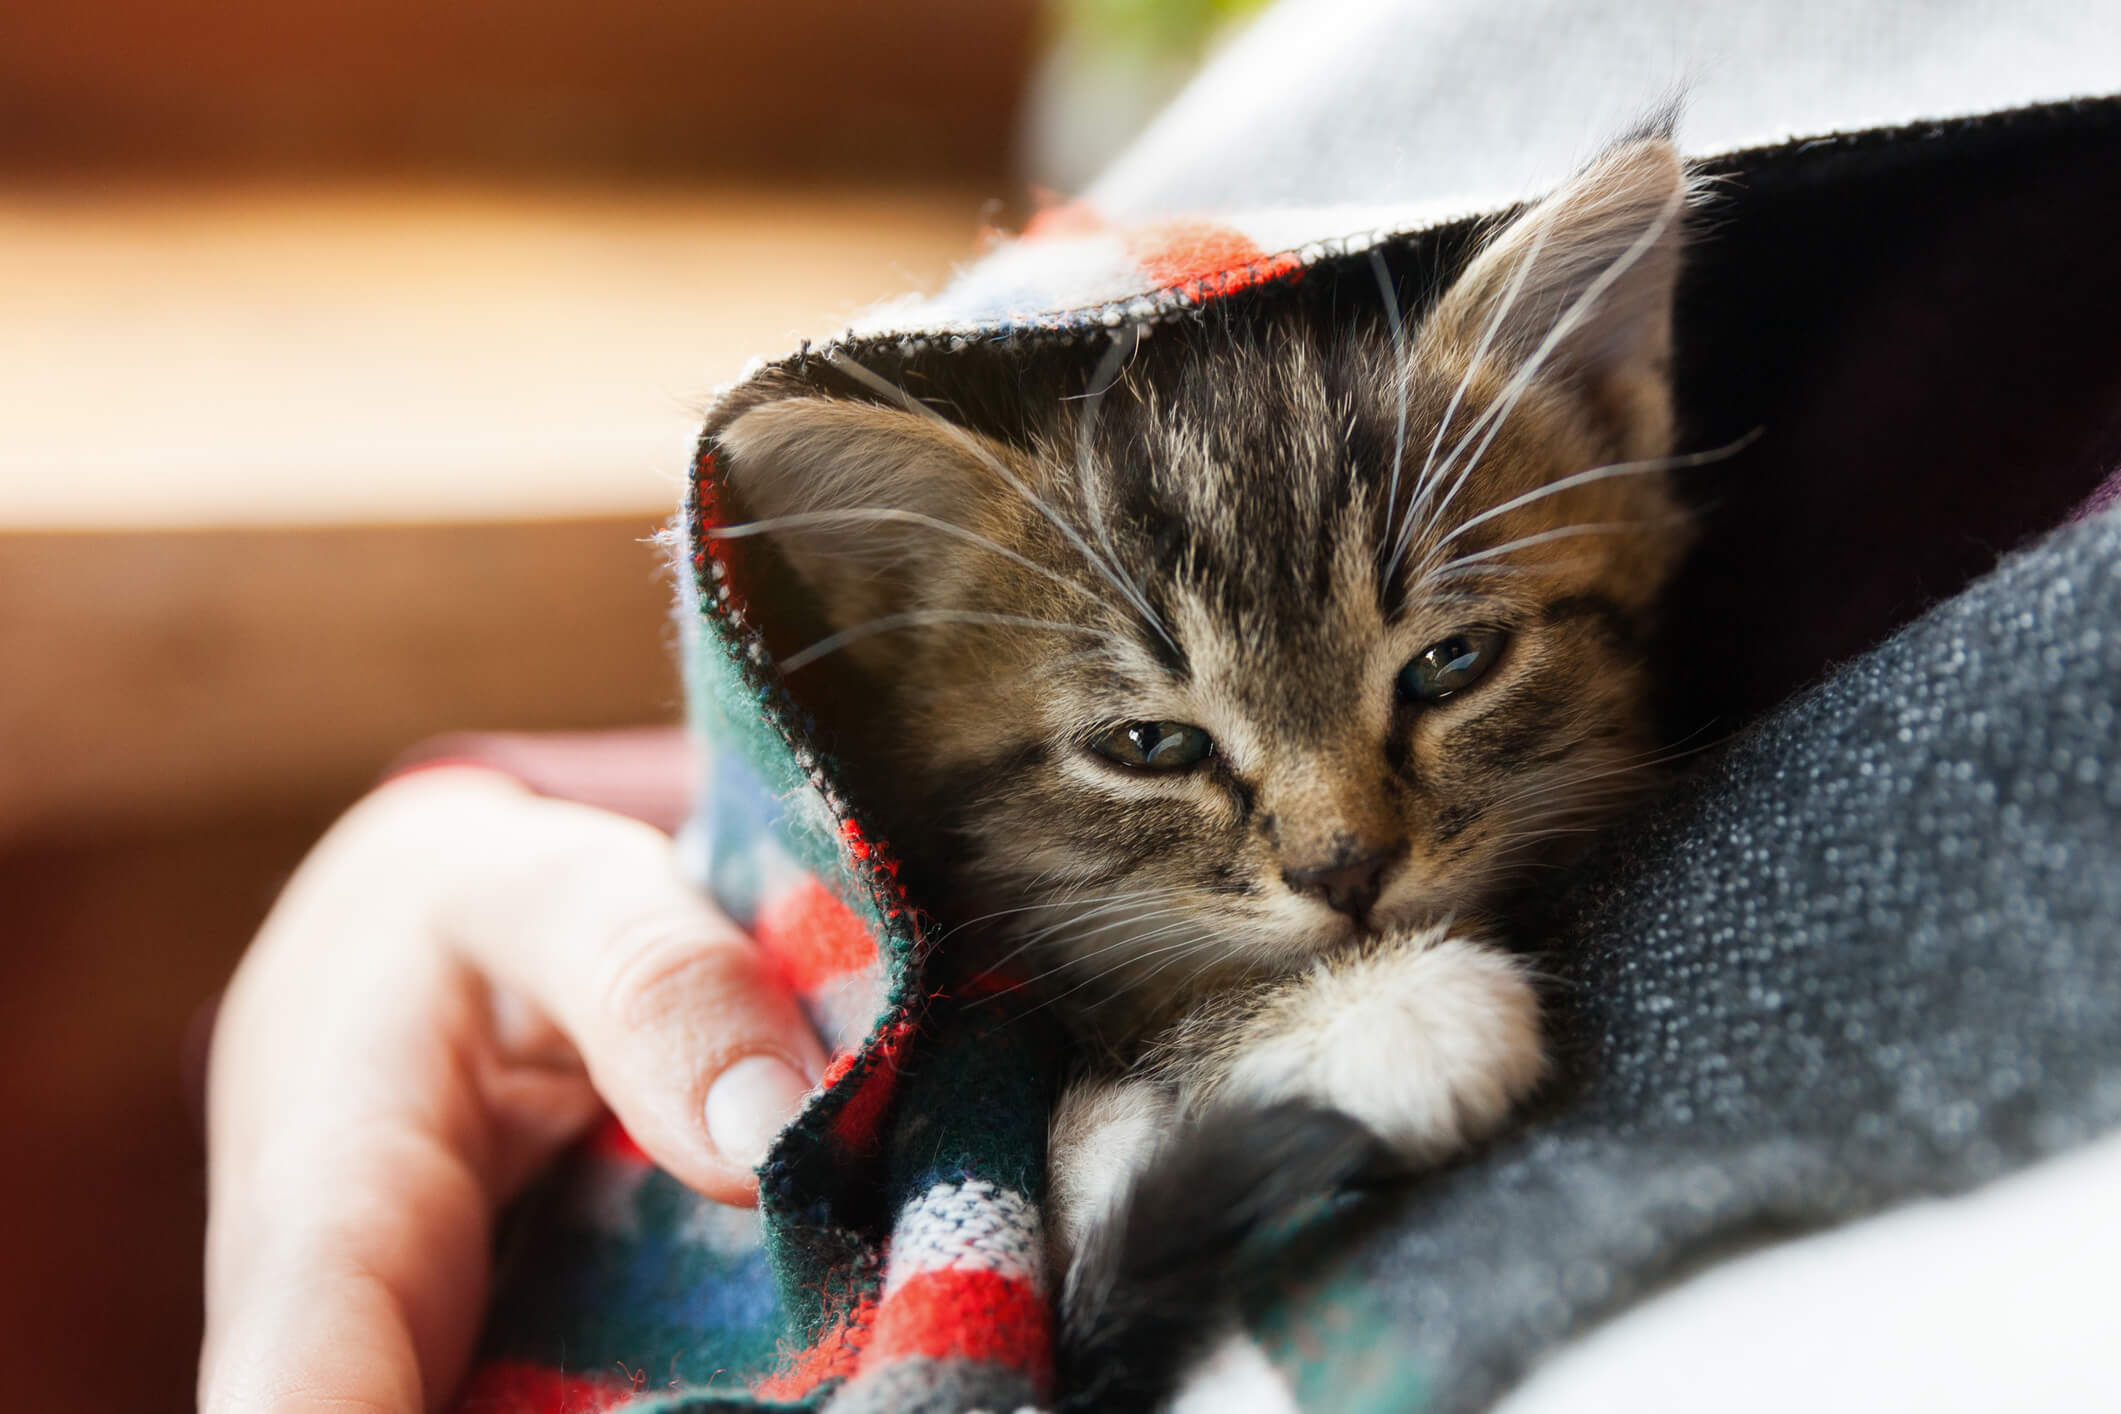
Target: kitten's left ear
1582, 283
861, 499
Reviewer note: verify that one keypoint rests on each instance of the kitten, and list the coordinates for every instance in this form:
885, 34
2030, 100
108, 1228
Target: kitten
1239, 688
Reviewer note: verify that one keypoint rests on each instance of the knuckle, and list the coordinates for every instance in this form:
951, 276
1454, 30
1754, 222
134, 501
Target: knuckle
662, 965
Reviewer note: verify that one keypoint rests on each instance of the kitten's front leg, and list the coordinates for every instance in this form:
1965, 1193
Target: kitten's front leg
1103, 1133
1427, 1038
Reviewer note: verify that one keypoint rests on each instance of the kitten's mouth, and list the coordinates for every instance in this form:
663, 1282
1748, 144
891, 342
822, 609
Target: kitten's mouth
1294, 941
1339, 931
1358, 928
1382, 921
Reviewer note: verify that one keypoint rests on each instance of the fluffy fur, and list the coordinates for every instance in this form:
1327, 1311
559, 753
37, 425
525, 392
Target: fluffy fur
1252, 530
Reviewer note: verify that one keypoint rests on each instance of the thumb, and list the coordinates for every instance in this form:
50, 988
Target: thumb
687, 1031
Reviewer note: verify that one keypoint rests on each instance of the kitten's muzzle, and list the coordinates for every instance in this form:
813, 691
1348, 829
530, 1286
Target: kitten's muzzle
1350, 882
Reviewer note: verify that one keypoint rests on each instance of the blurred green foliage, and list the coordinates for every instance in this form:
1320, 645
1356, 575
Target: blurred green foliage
1168, 28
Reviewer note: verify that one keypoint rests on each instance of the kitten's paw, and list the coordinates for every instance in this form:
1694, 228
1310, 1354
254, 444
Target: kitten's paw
1102, 1135
1429, 1040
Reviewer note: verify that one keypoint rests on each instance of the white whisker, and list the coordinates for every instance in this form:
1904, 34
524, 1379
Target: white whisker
1056, 902
917, 618
1403, 374
854, 369
1601, 527
1094, 977
1101, 380
1179, 951
864, 515
1560, 330
1605, 473
1425, 484
1097, 977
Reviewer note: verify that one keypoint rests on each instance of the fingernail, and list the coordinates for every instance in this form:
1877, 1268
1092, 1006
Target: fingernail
750, 1104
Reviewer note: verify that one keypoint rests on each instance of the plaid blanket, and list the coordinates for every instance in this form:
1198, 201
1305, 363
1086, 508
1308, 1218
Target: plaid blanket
1869, 952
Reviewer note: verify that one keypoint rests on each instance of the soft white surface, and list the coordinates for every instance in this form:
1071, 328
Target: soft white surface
1235, 1378
1492, 101
1997, 1302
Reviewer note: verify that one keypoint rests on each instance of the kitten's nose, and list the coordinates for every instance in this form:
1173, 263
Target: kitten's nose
1350, 882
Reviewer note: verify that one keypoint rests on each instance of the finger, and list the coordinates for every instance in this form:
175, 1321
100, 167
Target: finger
364, 1296
364, 1126
351, 1209
685, 1028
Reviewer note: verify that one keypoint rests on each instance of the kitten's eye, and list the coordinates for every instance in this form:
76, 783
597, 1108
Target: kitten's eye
1451, 665
1154, 746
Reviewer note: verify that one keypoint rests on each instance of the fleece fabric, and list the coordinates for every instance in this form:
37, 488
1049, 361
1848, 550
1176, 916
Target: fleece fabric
1871, 949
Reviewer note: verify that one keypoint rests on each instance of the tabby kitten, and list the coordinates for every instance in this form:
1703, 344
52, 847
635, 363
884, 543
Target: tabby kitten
1237, 688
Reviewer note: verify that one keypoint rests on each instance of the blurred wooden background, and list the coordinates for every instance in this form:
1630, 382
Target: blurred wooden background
349, 354
832, 87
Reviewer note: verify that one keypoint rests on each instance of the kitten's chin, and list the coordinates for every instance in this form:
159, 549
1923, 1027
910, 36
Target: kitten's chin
1293, 948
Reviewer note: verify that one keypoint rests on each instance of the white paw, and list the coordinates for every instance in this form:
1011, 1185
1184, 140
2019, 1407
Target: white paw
1103, 1133
1429, 1041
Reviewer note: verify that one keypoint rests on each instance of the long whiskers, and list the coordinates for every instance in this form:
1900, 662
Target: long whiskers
1127, 942
1647, 465
1189, 944
1058, 902
1425, 483
919, 618
855, 370
1556, 804
1172, 953
1403, 373
1562, 327
1455, 566
1638, 765
1102, 378
866, 515
1162, 903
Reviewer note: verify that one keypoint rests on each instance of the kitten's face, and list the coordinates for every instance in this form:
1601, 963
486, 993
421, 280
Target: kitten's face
1227, 668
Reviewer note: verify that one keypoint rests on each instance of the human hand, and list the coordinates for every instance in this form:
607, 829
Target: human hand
453, 985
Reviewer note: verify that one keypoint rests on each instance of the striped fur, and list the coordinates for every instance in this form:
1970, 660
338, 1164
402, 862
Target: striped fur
1253, 527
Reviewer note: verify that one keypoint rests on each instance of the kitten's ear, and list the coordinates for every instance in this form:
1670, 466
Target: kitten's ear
1583, 281
851, 492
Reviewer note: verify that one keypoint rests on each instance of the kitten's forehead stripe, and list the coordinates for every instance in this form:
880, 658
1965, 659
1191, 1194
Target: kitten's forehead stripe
1263, 503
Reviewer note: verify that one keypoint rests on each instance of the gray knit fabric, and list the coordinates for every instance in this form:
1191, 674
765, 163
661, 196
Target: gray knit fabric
1873, 951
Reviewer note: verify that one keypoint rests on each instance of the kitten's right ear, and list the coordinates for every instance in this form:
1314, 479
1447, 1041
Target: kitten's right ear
1582, 282
852, 493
